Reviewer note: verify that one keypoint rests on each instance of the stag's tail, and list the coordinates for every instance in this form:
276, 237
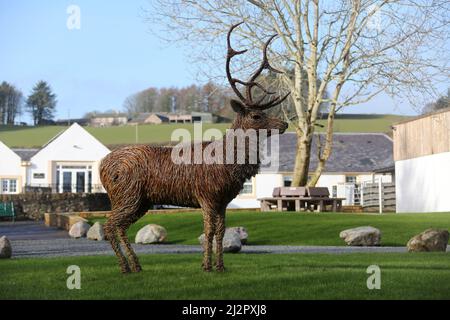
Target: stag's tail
123, 169
109, 173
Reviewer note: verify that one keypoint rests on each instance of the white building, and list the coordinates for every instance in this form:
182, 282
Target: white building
422, 163
12, 173
354, 161
67, 163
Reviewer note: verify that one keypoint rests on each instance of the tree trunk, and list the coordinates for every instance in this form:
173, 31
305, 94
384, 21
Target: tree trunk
303, 155
323, 158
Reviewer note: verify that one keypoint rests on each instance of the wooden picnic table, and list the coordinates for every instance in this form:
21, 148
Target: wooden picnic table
317, 204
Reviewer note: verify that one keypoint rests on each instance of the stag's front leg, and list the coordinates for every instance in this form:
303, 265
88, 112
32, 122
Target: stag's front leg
209, 228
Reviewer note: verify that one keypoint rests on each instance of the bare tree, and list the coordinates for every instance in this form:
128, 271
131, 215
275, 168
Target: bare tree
354, 49
11, 100
441, 103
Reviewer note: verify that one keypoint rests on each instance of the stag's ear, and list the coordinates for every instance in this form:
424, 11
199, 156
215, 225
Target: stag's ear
237, 106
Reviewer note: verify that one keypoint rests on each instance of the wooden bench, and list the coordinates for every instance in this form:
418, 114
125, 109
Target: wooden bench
319, 198
7, 210
301, 198
285, 199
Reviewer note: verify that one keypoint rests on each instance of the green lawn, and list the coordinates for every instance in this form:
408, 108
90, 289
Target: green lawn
248, 276
297, 228
38, 136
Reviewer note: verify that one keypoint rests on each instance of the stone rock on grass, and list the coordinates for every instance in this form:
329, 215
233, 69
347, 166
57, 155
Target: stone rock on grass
151, 233
5, 248
362, 236
96, 232
79, 229
231, 241
243, 234
429, 240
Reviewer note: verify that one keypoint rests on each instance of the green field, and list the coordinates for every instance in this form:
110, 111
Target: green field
248, 276
38, 136
297, 228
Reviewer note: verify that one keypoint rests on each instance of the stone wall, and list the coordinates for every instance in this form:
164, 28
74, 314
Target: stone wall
34, 205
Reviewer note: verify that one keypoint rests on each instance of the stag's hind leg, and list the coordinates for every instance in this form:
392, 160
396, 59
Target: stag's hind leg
133, 260
115, 228
110, 233
219, 234
209, 230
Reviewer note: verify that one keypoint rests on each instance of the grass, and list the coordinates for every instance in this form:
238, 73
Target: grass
14, 136
296, 228
248, 276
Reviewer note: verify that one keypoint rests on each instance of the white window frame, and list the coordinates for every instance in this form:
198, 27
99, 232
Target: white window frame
248, 182
351, 176
6, 185
287, 179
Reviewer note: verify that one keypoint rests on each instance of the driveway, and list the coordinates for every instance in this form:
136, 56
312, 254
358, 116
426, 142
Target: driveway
30, 230
83, 247
31, 239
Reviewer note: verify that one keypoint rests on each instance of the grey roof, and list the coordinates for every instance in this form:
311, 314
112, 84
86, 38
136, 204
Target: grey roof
141, 117
352, 152
25, 154
109, 115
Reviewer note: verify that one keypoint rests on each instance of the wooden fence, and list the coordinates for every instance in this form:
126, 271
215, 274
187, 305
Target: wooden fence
370, 197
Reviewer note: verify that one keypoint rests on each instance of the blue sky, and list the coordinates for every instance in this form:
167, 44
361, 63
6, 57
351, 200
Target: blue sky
95, 68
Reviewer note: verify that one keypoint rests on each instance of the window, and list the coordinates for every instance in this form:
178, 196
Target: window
89, 182
334, 192
9, 185
13, 186
248, 187
74, 167
287, 181
350, 179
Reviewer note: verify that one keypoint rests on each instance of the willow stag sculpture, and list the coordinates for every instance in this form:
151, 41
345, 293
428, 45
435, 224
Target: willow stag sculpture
136, 177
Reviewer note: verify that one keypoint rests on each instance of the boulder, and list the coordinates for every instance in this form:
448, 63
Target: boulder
96, 232
243, 234
151, 233
362, 236
429, 240
231, 241
79, 229
5, 248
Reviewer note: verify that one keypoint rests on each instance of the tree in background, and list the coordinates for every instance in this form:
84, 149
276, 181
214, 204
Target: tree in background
441, 103
356, 48
206, 98
11, 100
41, 103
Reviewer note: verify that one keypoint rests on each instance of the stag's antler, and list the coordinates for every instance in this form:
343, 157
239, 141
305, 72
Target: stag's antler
248, 100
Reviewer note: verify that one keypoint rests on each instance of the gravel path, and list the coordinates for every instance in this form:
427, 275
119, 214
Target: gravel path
84, 247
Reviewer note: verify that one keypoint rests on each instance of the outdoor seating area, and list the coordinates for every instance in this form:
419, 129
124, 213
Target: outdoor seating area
7, 210
316, 199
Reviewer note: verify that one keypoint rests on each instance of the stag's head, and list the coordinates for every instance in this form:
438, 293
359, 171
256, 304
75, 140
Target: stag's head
250, 113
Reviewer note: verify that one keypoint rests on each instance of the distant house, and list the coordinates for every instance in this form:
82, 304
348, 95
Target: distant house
422, 163
162, 117
80, 121
67, 163
354, 160
204, 117
149, 118
108, 119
